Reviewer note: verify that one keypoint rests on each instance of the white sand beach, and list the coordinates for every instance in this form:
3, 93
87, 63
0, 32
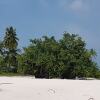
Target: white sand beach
28, 88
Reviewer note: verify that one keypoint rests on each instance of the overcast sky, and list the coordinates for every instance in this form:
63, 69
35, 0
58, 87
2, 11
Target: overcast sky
35, 18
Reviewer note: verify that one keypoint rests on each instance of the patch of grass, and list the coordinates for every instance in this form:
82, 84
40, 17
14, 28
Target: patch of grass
10, 74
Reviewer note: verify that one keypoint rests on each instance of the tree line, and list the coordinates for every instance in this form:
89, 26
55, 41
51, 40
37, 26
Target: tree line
47, 57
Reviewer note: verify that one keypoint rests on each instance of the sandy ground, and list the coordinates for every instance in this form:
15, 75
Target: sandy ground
28, 88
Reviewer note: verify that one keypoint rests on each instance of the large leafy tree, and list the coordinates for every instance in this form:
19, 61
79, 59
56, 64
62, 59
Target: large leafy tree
78, 60
65, 58
10, 43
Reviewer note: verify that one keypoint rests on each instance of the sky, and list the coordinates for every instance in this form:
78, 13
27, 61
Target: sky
35, 18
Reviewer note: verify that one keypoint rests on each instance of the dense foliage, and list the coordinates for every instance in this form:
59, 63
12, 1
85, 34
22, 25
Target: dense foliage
9, 51
48, 58
66, 58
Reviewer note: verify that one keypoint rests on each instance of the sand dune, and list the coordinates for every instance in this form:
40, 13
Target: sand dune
28, 88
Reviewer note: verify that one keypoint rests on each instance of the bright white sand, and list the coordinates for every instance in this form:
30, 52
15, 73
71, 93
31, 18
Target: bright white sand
28, 88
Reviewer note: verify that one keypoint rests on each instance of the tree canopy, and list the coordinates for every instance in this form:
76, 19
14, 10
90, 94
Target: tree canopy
47, 57
65, 58
10, 43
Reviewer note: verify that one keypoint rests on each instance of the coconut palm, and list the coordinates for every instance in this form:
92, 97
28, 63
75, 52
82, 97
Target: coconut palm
10, 39
10, 44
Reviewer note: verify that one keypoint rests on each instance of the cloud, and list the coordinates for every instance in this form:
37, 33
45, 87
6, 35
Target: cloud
75, 6
79, 6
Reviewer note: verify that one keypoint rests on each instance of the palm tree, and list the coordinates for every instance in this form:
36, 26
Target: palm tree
10, 44
10, 39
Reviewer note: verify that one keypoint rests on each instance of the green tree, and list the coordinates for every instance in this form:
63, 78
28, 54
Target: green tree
78, 59
64, 58
10, 43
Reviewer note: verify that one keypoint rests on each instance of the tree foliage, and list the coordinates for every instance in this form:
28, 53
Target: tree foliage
10, 43
65, 58
47, 57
